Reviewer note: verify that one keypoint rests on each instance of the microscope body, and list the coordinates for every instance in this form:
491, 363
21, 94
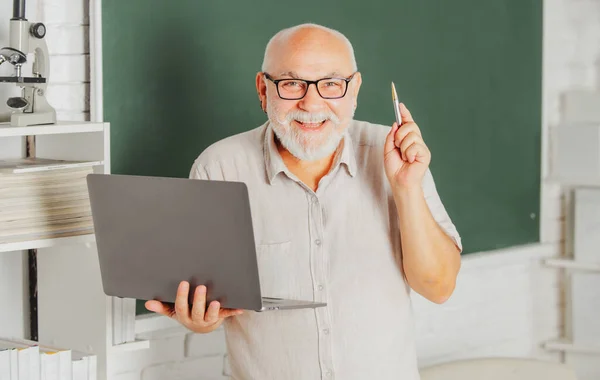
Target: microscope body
32, 108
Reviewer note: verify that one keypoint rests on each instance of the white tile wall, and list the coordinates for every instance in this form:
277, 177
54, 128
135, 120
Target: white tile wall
483, 319
57, 13
68, 38
68, 42
505, 303
580, 106
578, 153
66, 69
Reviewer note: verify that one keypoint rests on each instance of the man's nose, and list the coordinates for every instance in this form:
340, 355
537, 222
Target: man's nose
312, 101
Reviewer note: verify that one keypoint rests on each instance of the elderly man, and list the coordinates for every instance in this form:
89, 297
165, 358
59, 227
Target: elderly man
344, 211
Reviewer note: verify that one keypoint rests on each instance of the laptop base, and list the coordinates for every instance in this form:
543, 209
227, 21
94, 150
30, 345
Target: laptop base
285, 304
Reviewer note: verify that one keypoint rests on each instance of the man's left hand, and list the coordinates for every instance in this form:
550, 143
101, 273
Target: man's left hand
406, 157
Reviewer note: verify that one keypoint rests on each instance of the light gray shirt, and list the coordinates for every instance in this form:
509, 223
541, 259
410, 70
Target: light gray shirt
339, 245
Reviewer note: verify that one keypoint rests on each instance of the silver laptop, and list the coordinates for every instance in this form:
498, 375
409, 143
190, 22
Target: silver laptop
154, 232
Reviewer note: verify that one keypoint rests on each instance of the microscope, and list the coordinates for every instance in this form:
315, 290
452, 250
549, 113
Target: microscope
32, 107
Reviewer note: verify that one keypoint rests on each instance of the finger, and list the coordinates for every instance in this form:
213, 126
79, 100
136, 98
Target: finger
226, 313
403, 131
410, 139
159, 308
389, 140
212, 314
182, 307
406, 116
416, 152
199, 305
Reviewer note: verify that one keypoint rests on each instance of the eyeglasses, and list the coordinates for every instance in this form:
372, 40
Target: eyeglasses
294, 89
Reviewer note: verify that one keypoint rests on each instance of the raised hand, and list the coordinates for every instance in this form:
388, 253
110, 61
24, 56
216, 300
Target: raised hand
406, 157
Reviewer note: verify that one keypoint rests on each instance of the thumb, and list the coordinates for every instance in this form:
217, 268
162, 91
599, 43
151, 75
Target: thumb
406, 116
158, 307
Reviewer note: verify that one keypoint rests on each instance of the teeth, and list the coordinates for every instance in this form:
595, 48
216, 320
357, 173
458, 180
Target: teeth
314, 124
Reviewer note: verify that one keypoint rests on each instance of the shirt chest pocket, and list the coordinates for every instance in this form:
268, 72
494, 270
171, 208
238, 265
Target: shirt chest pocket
275, 269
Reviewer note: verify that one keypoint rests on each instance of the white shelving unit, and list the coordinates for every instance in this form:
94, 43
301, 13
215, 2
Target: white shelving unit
576, 168
567, 344
73, 311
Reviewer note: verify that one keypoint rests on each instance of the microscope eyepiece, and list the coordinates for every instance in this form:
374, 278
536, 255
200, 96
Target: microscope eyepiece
19, 10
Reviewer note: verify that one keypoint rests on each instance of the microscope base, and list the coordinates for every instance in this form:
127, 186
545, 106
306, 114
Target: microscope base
38, 118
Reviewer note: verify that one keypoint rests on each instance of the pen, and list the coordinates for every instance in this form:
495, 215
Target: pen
396, 105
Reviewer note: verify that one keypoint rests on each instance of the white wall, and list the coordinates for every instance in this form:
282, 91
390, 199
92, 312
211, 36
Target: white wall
505, 303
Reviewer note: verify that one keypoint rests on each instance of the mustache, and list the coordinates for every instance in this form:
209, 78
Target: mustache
311, 117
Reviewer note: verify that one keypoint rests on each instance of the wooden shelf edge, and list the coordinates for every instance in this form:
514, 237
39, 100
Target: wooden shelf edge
47, 243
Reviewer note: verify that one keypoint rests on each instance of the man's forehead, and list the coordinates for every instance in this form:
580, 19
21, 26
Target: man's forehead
311, 65
305, 74
311, 55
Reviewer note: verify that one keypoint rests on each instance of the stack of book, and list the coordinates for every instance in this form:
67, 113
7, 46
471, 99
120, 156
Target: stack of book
27, 360
44, 198
24, 359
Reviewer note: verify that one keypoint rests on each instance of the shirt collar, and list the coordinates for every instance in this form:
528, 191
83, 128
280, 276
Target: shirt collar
274, 163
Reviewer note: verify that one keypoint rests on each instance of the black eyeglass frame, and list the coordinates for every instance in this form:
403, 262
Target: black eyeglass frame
308, 83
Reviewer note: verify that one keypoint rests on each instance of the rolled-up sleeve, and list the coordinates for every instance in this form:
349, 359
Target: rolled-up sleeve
198, 171
438, 210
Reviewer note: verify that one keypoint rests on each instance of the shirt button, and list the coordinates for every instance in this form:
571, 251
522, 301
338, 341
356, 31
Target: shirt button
321, 287
328, 373
326, 331
318, 242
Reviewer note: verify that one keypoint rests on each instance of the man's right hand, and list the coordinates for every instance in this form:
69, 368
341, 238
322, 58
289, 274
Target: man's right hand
199, 319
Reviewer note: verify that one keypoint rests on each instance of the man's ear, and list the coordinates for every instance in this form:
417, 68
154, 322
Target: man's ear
261, 89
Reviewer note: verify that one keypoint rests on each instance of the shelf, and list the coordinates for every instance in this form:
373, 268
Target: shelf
572, 264
6, 130
46, 243
575, 181
42, 165
567, 346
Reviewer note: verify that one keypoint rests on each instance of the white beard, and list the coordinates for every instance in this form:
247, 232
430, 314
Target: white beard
306, 146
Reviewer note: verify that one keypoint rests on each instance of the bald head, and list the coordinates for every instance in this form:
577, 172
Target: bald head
308, 44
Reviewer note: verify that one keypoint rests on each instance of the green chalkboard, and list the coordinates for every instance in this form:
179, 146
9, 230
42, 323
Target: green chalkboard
179, 75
